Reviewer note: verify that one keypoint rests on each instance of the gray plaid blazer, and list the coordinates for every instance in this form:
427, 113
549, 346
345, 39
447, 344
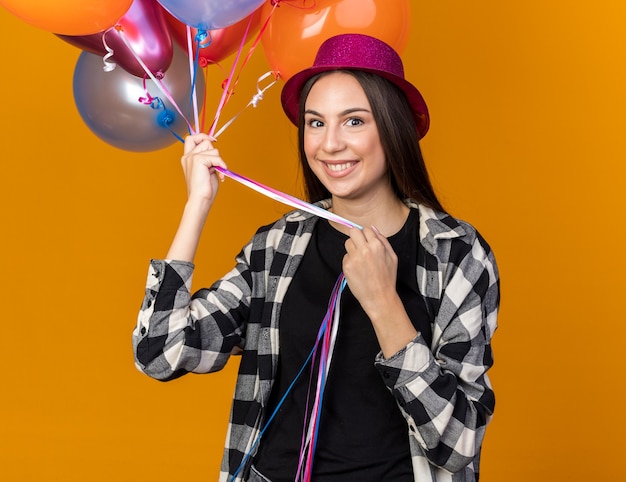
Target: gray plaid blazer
442, 390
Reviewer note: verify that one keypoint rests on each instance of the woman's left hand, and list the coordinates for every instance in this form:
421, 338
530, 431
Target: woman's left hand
370, 267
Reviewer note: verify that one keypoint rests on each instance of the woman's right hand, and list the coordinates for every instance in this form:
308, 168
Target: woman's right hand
198, 159
199, 156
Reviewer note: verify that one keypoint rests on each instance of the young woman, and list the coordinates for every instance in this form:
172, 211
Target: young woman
407, 396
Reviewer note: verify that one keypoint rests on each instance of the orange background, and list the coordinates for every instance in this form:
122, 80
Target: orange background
527, 102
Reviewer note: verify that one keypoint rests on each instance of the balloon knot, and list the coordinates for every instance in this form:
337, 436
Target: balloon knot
109, 65
225, 84
203, 62
256, 98
157, 103
119, 28
203, 38
159, 75
153, 102
146, 100
165, 118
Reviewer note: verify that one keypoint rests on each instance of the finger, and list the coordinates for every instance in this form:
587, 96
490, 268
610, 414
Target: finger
219, 162
206, 160
354, 240
373, 241
205, 146
349, 245
211, 159
381, 237
357, 236
193, 140
370, 235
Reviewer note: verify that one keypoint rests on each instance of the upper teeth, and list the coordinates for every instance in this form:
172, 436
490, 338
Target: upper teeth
340, 167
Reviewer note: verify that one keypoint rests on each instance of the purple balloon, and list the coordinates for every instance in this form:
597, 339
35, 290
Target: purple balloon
145, 28
108, 103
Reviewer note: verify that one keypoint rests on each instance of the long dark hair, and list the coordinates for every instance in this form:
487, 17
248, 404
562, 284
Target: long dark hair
398, 136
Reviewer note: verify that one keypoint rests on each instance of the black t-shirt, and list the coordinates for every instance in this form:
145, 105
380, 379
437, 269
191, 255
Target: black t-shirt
362, 434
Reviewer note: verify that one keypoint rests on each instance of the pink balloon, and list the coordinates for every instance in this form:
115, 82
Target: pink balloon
144, 28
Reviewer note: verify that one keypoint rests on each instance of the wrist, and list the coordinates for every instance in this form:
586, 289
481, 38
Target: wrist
198, 204
392, 325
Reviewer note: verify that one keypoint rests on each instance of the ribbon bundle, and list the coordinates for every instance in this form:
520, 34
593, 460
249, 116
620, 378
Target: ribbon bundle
322, 351
328, 337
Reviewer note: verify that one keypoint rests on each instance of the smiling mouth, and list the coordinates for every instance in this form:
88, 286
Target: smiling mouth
340, 167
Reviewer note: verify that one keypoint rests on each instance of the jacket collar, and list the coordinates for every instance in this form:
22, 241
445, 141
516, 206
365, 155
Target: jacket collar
434, 225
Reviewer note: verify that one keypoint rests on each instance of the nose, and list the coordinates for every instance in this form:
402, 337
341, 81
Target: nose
333, 139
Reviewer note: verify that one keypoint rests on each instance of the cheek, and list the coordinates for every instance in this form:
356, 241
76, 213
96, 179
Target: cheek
377, 152
309, 153
310, 147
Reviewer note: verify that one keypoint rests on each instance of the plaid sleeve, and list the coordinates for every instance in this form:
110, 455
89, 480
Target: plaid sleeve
178, 333
443, 390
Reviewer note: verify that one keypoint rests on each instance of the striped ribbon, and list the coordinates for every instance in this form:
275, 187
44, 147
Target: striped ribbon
304, 472
324, 348
286, 198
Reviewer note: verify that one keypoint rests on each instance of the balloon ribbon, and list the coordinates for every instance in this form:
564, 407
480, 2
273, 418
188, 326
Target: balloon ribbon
328, 338
325, 342
324, 347
286, 198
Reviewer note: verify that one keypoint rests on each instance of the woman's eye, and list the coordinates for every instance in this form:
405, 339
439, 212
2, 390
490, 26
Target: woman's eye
355, 121
315, 123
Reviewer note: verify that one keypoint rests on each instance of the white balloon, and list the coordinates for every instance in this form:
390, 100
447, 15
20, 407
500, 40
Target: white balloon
108, 103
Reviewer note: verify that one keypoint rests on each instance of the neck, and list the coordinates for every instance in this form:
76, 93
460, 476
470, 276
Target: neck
388, 215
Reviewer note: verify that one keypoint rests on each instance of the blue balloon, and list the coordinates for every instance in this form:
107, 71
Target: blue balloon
210, 14
108, 103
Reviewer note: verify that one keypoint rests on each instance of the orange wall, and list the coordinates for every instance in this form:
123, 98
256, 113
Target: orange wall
527, 102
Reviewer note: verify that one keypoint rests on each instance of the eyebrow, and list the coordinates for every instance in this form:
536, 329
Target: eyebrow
342, 113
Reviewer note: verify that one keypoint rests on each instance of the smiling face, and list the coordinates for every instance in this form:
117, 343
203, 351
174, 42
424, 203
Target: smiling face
341, 139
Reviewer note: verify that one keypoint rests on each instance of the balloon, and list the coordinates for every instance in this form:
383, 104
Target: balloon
221, 42
108, 103
210, 14
146, 31
298, 27
68, 17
